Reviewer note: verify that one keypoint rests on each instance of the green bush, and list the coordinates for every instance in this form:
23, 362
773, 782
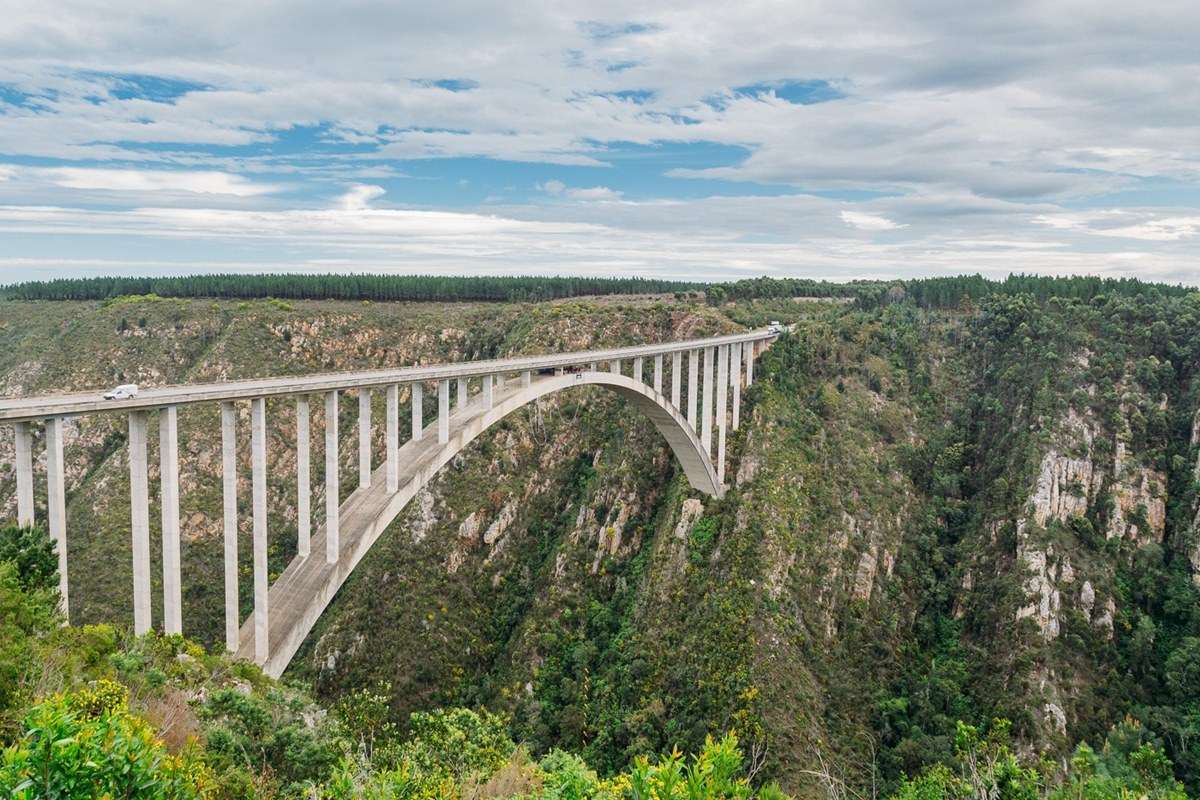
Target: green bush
32, 551
69, 753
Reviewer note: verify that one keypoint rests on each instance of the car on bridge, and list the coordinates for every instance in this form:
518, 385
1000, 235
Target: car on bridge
126, 391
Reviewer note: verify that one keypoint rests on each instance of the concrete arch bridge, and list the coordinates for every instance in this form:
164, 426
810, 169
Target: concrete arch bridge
699, 404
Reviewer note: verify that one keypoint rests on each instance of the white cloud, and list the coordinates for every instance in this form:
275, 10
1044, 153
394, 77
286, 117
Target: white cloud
137, 180
360, 195
1126, 224
718, 238
552, 187
594, 193
869, 222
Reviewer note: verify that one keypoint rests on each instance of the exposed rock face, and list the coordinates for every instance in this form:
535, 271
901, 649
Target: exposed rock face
1065, 483
864, 577
1070, 482
1045, 598
1139, 505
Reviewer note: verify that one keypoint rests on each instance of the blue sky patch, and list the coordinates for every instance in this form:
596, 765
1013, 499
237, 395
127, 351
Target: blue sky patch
156, 89
451, 84
605, 31
798, 92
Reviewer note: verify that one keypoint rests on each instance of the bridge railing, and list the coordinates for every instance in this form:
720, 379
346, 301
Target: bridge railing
719, 366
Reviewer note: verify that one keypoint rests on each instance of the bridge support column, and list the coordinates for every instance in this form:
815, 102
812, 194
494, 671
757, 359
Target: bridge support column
658, 367
706, 418
24, 469
676, 377
749, 363
332, 487
638, 369
139, 517
258, 463
593, 367
168, 472
693, 380
461, 385
418, 414
443, 411
364, 438
393, 439
527, 378
722, 408
303, 478
489, 396
229, 496
735, 381
614, 366
56, 497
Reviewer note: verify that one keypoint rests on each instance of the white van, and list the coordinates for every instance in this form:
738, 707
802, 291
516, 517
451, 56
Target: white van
126, 391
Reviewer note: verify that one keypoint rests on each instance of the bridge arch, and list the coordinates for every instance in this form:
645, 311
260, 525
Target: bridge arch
306, 587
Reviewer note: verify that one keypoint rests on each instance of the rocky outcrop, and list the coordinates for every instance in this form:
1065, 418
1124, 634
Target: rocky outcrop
1066, 483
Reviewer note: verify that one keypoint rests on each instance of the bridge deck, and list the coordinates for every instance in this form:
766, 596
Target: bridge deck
24, 409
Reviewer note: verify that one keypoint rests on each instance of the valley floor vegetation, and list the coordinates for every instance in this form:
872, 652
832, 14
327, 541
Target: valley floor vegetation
94, 712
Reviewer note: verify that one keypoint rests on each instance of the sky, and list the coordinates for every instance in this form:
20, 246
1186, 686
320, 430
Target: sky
700, 140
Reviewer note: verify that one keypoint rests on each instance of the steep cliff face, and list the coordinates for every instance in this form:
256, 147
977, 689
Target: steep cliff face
1077, 414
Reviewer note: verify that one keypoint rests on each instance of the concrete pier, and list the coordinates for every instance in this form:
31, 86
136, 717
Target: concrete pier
639, 370
56, 505
24, 469
706, 414
364, 438
168, 473
418, 414
303, 478
229, 496
443, 411
735, 381
332, 483
658, 370
139, 518
526, 379
488, 392
676, 377
614, 366
393, 438
749, 351
693, 387
722, 407
258, 465
463, 392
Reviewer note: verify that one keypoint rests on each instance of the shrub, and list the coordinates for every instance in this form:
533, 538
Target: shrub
66, 752
32, 551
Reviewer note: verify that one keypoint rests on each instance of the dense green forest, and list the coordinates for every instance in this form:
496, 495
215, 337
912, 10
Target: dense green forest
925, 292
342, 287
943, 293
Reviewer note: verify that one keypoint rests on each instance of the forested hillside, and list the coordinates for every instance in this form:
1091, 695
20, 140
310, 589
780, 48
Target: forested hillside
963, 529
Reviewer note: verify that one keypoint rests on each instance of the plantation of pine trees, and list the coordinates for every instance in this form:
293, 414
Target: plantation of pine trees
924, 292
342, 287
